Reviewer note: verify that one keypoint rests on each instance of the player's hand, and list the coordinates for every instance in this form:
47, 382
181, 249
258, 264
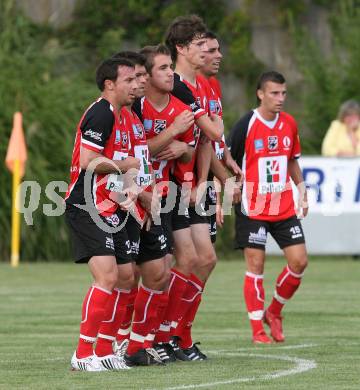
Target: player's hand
150, 201
219, 216
129, 198
128, 163
173, 151
234, 168
218, 121
237, 193
303, 205
183, 121
193, 195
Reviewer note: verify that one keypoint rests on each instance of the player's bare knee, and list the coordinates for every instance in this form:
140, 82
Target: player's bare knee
299, 264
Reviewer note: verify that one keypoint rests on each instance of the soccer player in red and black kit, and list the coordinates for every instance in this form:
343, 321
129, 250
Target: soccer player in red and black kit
101, 150
221, 157
192, 243
265, 143
169, 127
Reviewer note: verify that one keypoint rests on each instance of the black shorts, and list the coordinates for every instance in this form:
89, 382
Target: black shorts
133, 230
157, 241
90, 240
211, 202
252, 233
180, 215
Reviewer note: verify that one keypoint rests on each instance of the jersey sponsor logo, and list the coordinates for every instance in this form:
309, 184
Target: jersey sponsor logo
259, 237
272, 174
117, 137
148, 123
287, 142
259, 144
109, 243
162, 239
214, 106
115, 183
160, 125
124, 138
273, 142
93, 134
138, 130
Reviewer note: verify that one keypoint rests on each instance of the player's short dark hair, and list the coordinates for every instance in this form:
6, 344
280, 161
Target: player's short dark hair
133, 56
272, 76
150, 52
108, 70
211, 35
182, 31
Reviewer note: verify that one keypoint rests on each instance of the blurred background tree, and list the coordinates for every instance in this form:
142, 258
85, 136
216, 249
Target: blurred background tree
48, 74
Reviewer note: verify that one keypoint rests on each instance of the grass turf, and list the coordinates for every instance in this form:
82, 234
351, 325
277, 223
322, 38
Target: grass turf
39, 319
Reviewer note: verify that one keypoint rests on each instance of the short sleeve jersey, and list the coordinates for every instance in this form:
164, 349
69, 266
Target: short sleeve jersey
196, 98
214, 107
138, 149
263, 149
99, 130
157, 121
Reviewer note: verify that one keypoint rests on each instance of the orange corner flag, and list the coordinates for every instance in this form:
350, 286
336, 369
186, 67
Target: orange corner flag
17, 146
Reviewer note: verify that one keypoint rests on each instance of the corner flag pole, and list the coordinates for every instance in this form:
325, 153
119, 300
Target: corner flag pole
15, 160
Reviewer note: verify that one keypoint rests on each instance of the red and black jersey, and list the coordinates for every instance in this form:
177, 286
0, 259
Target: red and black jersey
263, 149
99, 130
215, 85
196, 98
214, 107
154, 123
138, 149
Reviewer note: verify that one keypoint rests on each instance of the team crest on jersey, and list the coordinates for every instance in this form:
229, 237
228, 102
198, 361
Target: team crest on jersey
148, 125
160, 125
273, 142
117, 137
124, 138
198, 101
138, 130
259, 145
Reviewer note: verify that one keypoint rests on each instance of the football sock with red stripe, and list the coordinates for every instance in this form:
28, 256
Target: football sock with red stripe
190, 302
93, 311
145, 310
125, 326
157, 320
114, 313
177, 287
286, 285
254, 295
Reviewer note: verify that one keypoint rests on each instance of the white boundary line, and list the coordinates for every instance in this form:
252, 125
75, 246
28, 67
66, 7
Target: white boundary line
302, 365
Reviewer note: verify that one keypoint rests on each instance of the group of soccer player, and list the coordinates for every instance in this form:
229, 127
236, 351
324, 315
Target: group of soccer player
158, 125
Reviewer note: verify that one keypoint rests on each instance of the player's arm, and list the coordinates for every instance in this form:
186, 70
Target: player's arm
105, 165
231, 163
296, 175
212, 126
96, 128
181, 123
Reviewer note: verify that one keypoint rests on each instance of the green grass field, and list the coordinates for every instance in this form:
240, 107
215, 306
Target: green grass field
39, 319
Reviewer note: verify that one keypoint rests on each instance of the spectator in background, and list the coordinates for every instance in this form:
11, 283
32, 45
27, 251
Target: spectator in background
343, 137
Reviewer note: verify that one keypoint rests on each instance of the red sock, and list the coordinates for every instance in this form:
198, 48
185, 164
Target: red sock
286, 285
145, 309
254, 298
93, 311
190, 302
114, 313
156, 321
125, 326
177, 287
